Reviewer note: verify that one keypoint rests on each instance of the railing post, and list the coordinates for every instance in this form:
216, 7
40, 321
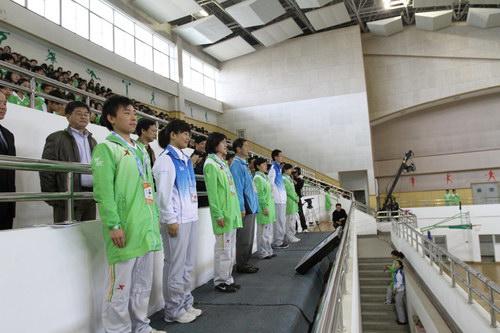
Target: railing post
452, 272
71, 201
32, 92
492, 308
440, 261
469, 288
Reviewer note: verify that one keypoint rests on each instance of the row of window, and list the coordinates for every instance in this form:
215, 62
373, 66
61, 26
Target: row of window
102, 24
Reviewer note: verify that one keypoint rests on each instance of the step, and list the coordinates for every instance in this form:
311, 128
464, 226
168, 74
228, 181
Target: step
373, 274
378, 316
373, 298
378, 308
379, 281
384, 326
373, 290
374, 260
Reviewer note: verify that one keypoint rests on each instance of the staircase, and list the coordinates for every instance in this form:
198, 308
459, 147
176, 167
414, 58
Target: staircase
376, 316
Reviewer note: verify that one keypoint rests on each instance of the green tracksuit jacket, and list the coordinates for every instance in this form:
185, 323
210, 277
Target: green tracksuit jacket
292, 199
265, 198
119, 192
222, 197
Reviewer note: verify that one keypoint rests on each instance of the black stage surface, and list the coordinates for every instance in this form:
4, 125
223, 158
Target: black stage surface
275, 300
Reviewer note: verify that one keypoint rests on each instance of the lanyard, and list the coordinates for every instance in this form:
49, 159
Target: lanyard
140, 163
224, 167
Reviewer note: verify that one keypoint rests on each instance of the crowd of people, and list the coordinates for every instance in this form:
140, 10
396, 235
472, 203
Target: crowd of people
451, 199
149, 203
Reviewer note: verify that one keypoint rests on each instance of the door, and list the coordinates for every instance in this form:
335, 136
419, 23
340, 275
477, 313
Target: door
360, 196
485, 193
487, 248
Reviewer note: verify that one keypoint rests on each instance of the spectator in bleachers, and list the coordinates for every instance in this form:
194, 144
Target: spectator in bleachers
196, 157
7, 177
224, 210
249, 206
200, 143
279, 194
73, 144
6, 91
147, 131
123, 189
251, 164
53, 106
266, 215
292, 204
229, 158
178, 204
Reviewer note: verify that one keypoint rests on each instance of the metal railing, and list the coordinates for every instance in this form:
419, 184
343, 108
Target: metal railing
401, 215
330, 313
477, 286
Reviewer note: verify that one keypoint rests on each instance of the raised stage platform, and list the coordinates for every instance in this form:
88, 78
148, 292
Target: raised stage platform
274, 300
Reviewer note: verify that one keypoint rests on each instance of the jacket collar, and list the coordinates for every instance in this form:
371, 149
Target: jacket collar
69, 131
114, 139
176, 153
241, 160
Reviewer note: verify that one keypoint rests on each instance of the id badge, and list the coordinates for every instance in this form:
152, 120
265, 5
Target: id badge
194, 196
148, 193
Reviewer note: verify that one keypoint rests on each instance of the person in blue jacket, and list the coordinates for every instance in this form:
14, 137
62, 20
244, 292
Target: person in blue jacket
249, 205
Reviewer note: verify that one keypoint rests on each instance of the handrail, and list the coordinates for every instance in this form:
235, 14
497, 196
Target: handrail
445, 261
90, 96
330, 314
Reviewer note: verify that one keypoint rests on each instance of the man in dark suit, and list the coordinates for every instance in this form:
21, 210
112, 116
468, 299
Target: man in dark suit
7, 177
73, 144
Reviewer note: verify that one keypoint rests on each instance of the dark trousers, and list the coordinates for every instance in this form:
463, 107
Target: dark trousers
302, 218
6, 223
84, 210
244, 240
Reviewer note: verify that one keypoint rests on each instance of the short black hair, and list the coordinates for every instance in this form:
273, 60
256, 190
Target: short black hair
238, 143
213, 140
395, 253
258, 161
275, 153
287, 166
197, 152
400, 263
56, 93
230, 156
401, 255
71, 106
338, 205
6, 57
110, 108
175, 126
143, 124
199, 139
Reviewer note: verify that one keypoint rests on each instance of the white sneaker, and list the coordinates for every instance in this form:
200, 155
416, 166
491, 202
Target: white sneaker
158, 331
294, 239
194, 311
184, 319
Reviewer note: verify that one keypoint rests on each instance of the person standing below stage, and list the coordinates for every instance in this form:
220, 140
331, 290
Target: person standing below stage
224, 210
339, 216
249, 206
7, 177
399, 293
178, 203
279, 194
299, 184
123, 189
266, 215
73, 144
292, 205
146, 131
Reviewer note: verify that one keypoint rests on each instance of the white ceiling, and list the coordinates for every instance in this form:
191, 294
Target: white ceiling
252, 13
277, 32
229, 49
328, 16
167, 10
207, 30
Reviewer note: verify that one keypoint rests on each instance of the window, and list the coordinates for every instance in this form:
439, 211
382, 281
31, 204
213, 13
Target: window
101, 32
49, 9
75, 17
198, 75
143, 54
124, 44
100, 23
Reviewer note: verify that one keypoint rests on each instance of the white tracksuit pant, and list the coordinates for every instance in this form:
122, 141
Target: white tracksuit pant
224, 257
291, 221
389, 293
179, 254
279, 227
400, 306
264, 240
125, 307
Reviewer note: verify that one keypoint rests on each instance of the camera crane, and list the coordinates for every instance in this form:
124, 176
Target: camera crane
406, 166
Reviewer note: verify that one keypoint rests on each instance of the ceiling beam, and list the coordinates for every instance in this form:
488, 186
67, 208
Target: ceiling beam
300, 14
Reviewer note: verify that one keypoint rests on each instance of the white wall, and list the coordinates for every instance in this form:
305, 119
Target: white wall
462, 244
469, 317
306, 96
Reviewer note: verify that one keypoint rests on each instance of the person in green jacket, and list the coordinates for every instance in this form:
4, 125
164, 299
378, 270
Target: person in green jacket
266, 214
22, 98
123, 189
292, 204
455, 198
224, 210
447, 198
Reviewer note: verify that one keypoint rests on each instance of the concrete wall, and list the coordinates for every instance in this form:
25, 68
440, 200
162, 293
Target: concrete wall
416, 66
306, 96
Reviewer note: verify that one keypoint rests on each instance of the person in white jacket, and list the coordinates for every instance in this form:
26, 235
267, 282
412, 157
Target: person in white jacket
279, 194
399, 291
178, 205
